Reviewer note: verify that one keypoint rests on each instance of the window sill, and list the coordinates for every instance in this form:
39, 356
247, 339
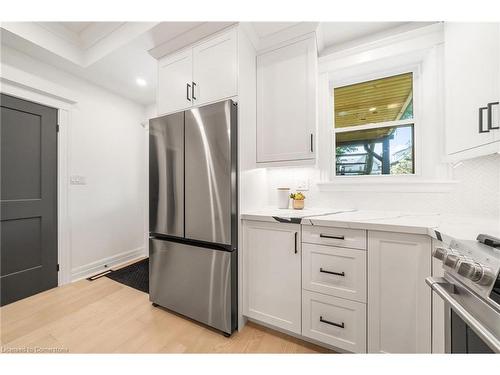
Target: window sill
377, 184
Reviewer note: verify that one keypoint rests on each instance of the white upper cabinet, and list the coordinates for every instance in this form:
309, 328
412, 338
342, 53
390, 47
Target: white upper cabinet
271, 274
472, 87
206, 72
399, 301
286, 102
174, 82
215, 68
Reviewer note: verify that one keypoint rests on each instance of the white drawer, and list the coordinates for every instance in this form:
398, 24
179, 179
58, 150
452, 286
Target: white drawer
335, 271
334, 321
343, 237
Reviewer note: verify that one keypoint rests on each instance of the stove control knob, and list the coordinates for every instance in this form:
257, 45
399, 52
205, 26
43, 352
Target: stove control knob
440, 253
470, 270
452, 259
487, 277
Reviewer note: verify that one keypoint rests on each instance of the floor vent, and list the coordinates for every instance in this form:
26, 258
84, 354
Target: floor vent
99, 275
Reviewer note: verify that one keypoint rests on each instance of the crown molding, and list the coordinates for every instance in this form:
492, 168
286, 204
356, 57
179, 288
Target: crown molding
85, 48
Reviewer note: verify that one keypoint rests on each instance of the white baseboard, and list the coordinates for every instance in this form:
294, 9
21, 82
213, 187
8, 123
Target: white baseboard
93, 268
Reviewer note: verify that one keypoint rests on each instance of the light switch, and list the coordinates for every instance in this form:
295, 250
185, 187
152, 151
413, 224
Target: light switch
77, 180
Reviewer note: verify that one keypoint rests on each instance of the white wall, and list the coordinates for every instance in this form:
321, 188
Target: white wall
106, 145
477, 191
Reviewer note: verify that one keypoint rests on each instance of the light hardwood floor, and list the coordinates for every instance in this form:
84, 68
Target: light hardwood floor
104, 316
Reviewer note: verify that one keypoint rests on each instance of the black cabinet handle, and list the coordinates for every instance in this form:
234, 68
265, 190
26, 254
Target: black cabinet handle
332, 273
296, 235
332, 237
192, 93
331, 323
312, 143
490, 116
481, 130
188, 88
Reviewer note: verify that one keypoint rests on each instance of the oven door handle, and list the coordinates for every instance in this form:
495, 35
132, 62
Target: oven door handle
444, 289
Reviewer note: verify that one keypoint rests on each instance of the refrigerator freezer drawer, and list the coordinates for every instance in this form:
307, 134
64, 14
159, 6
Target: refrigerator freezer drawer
193, 281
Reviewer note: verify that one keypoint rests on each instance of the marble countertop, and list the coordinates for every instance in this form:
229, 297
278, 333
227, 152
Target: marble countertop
290, 215
445, 227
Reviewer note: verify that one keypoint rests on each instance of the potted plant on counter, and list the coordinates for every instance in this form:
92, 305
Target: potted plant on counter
298, 200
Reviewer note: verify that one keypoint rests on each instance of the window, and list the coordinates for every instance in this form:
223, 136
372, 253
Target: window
374, 127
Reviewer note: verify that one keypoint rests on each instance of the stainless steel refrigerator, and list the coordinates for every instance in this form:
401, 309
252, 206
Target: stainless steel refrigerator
193, 210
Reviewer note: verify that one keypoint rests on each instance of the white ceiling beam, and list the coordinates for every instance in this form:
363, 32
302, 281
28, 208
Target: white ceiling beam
97, 31
46, 38
118, 37
92, 44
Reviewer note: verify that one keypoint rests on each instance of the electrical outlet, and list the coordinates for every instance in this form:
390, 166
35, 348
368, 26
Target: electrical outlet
77, 180
302, 184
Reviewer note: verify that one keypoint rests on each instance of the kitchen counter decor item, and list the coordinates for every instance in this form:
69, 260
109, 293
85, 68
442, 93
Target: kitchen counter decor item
298, 200
283, 197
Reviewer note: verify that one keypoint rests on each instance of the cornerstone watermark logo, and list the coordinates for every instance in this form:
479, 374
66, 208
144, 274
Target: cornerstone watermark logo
32, 349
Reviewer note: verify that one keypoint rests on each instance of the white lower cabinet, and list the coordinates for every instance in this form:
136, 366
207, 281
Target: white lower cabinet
374, 300
341, 237
438, 308
335, 271
399, 301
271, 274
334, 321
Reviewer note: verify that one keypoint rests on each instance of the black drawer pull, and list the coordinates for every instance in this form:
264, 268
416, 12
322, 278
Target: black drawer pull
331, 323
332, 237
188, 89
490, 116
331, 272
481, 129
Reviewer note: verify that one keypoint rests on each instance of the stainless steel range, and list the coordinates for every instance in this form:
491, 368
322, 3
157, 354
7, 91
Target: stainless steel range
470, 289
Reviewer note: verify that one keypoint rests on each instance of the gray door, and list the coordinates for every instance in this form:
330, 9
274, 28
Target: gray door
208, 174
166, 175
193, 281
28, 198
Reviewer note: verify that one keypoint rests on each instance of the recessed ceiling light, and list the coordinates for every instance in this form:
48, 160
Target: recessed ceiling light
141, 82
342, 113
373, 109
393, 105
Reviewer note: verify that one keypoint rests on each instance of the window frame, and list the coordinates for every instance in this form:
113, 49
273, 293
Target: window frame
364, 74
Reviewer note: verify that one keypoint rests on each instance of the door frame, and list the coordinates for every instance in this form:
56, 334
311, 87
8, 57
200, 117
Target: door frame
22, 85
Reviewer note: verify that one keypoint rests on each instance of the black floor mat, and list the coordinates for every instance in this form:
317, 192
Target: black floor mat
135, 275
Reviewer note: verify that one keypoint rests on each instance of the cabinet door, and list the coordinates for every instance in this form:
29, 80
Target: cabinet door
174, 82
215, 68
399, 301
472, 80
271, 274
286, 102
438, 308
